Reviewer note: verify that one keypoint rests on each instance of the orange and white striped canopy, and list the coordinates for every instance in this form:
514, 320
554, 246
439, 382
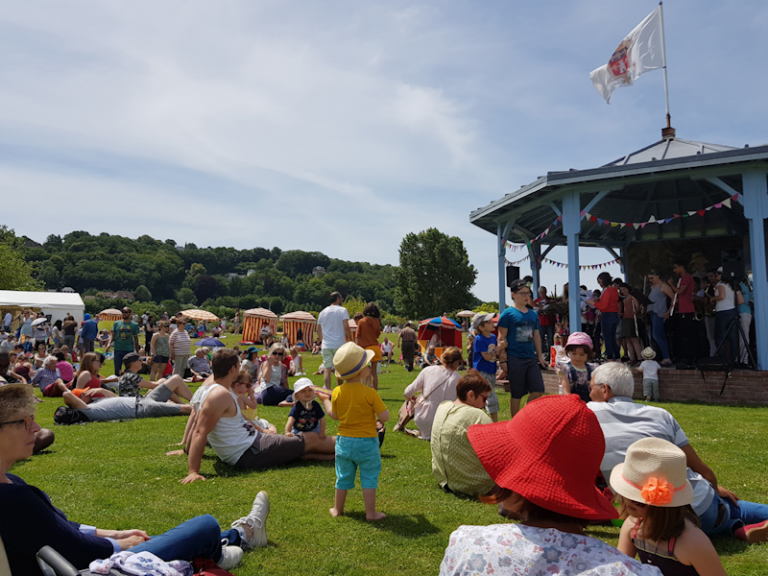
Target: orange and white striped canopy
110, 315
254, 319
200, 315
295, 321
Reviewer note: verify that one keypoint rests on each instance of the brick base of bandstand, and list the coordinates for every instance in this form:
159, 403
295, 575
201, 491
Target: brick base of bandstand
743, 387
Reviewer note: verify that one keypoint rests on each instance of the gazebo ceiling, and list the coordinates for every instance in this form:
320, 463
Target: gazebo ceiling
667, 178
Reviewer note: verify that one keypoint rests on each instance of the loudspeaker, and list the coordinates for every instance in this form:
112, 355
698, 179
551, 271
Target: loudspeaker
513, 273
733, 265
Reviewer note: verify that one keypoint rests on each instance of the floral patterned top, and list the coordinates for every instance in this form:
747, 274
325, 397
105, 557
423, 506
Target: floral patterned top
506, 549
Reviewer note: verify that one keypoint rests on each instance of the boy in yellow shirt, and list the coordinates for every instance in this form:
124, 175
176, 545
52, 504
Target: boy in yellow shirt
356, 407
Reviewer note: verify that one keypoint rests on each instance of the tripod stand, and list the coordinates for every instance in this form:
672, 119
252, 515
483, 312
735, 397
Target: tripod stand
735, 324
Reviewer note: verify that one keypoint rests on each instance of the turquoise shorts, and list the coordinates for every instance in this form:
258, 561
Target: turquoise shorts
354, 453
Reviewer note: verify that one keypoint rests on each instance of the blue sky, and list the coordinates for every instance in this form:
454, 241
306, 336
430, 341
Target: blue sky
342, 126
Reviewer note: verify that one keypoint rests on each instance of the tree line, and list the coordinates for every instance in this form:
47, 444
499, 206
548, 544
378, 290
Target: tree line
224, 278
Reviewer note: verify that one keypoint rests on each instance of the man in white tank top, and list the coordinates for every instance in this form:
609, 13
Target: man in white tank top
235, 441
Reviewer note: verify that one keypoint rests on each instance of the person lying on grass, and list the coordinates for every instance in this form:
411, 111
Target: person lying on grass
131, 382
220, 422
357, 408
30, 521
153, 405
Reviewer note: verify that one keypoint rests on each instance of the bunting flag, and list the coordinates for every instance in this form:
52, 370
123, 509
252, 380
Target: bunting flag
727, 203
564, 265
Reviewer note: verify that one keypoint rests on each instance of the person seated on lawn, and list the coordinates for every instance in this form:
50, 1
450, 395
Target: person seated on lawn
250, 361
306, 415
431, 359
316, 347
387, 350
455, 465
67, 353
7, 368
41, 352
199, 365
273, 374
624, 422
30, 521
296, 362
21, 365
103, 338
48, 378
64, 367
154, 405
265, 334
661, 527
246, 400
545, 477
220, 422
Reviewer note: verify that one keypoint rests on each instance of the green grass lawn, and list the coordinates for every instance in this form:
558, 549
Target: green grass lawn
115, 475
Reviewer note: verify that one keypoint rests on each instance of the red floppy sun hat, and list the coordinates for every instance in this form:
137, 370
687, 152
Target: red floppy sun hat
550, 454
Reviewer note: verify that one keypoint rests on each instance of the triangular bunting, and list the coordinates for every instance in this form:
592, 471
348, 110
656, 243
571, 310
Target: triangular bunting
691, 212
701, 212
727, 203
652, 219
636, 226
599, 221
719, 205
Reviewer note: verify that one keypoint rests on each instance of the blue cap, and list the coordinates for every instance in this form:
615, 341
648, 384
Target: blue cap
87, 316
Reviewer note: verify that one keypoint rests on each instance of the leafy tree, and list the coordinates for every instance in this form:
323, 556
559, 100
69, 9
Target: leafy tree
435, 275
249, 301
15, 273
354, 305
276, 305
49, 276
142, 293
206, 286
186, 296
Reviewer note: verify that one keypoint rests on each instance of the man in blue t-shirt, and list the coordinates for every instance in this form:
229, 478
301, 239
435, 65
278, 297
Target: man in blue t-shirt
484, 355
520, 335
125, 338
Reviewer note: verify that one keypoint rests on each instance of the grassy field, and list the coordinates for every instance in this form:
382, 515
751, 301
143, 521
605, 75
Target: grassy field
115, 475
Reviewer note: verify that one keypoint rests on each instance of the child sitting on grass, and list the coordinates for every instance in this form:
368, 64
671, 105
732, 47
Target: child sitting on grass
356, 407
662, 528
243, 389
306, 414
296, 360
649, 368
577, 372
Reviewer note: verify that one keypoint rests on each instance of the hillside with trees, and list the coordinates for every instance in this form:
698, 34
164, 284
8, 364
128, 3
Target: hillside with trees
213, 278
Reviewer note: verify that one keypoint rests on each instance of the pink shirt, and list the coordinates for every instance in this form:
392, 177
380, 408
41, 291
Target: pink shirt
66, 370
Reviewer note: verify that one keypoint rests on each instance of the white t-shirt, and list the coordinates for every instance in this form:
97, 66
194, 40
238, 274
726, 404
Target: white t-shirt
650, 369
332, 321
624, 423
386, 347
8, 319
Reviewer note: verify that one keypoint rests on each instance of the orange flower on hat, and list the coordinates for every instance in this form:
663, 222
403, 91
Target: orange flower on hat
657, 491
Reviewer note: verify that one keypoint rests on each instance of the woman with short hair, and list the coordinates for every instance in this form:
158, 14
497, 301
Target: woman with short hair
272, 374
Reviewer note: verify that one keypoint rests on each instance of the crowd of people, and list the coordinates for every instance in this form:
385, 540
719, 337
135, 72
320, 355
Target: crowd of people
557, 465
683, 317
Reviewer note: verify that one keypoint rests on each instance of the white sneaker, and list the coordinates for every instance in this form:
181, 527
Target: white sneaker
230, 557
257, 520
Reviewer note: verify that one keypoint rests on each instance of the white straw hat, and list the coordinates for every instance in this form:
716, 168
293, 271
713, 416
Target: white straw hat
654, 472
648, 353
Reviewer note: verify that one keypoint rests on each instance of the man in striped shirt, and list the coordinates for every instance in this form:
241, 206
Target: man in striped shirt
181, 346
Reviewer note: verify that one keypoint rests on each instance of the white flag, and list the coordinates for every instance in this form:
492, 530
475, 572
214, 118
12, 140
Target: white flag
638, 53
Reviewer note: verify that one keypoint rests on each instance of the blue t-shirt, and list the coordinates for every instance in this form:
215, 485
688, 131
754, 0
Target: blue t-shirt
747, 295
520, 330
307, 420
483, 344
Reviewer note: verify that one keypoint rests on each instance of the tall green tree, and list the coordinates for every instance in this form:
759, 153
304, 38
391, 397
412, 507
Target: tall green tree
15, 273
434, 276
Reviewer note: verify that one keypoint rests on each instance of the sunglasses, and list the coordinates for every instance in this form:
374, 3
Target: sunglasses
277, 353
28, 422
524, 292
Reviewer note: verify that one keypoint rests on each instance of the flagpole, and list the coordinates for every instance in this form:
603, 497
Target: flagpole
668, 131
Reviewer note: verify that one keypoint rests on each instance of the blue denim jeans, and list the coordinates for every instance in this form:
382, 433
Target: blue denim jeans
119, 355
659, 335
609, 322
736, 515
199, 537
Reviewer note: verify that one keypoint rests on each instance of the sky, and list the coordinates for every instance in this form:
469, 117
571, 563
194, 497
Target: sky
341, 126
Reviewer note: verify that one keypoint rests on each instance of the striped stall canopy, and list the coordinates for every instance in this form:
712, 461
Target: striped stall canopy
295, 321
254, 319
110, 315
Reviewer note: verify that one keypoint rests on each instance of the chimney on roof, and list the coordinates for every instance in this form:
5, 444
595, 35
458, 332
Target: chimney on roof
668, 133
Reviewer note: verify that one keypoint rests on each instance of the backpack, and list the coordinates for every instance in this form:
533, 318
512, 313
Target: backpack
65, 416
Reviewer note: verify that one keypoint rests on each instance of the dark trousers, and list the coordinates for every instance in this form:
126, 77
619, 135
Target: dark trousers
408, 349
685, 342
